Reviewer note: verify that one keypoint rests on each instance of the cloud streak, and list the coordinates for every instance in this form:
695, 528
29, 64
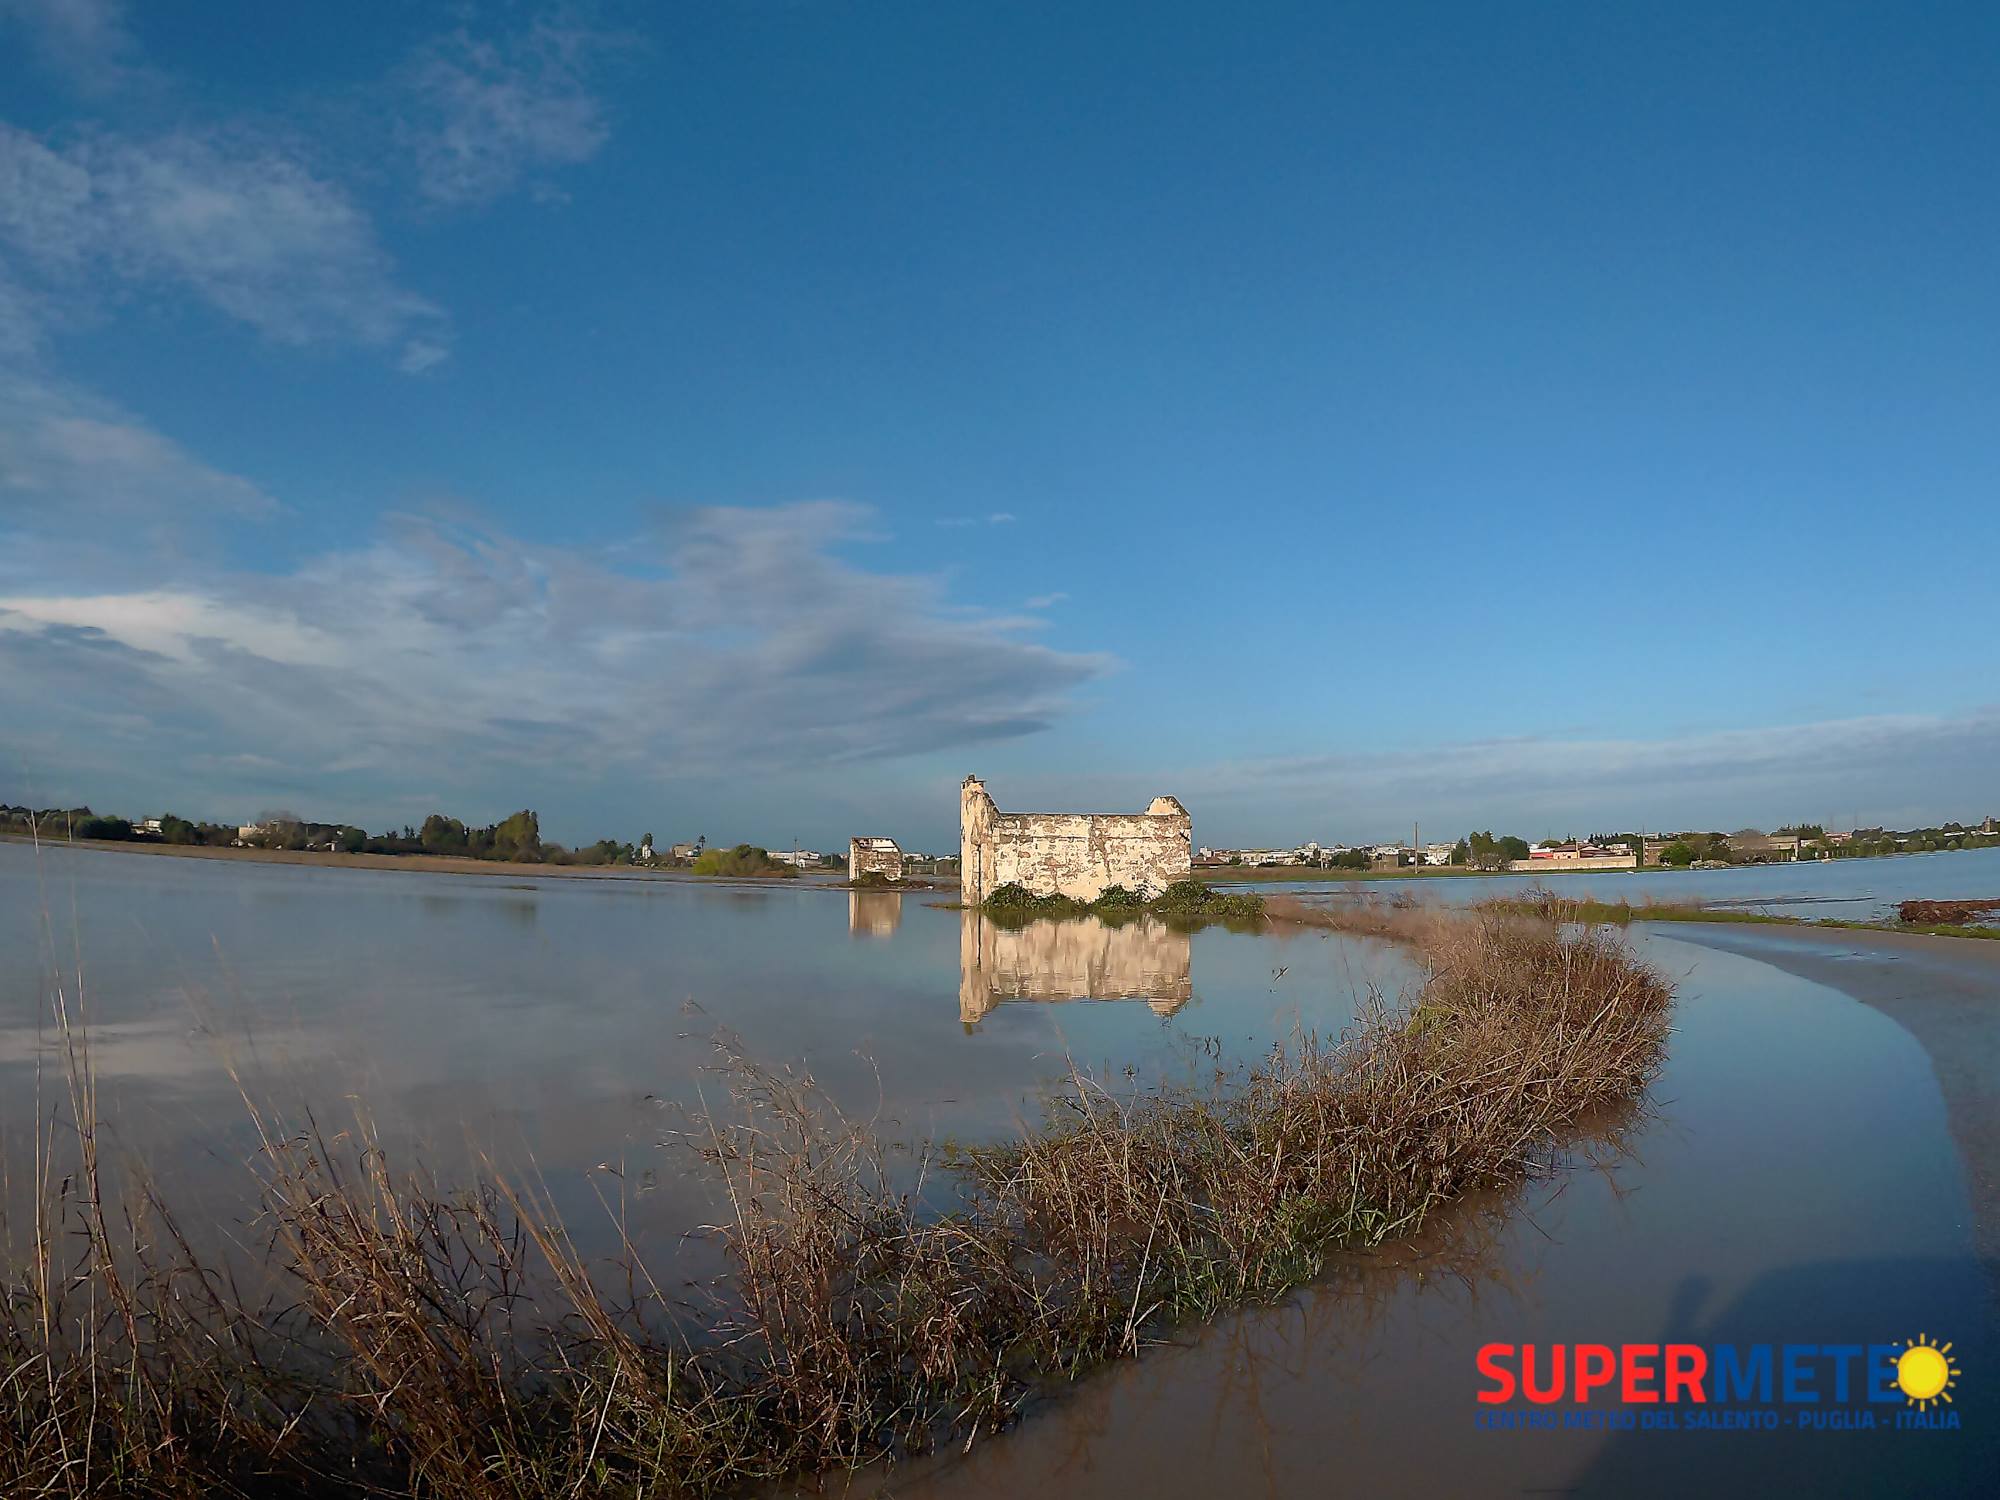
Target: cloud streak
484, 115
230, 218
87, 41
67, 455
1883, 767
731, 641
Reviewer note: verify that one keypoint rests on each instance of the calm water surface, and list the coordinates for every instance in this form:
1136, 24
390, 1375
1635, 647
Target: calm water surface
1796, 1186
564, 1022
1857, 889
1795, 1182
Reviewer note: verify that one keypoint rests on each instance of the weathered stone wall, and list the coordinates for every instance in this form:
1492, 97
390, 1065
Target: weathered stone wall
1071, 854
874, 856
1083, 959
1578, 862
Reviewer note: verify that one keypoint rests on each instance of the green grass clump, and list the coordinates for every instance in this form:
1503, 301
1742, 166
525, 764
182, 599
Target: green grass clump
1193, 901
1184, 903
1015, 902
744, 859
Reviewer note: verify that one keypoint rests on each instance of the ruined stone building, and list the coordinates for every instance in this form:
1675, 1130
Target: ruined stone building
1070, 854
868, 856
1087, 959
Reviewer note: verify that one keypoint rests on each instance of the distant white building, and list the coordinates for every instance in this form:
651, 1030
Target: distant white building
803, 859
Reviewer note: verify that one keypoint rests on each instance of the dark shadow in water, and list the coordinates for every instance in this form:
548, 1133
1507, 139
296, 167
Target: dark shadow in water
1079, 959
874, 914
1825, 1303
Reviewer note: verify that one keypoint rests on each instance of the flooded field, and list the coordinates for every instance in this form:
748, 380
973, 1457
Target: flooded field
1861, 890
1796, 1185
1795, 1181
568, 1022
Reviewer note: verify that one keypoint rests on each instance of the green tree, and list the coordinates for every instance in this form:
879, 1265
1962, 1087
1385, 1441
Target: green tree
442, 835
744, 859
1677, 855
518, 837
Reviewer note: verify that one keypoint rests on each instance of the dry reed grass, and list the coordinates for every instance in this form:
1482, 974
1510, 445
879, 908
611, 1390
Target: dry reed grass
420, 1342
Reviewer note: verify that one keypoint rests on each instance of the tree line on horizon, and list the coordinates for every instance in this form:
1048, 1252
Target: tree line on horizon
516, 839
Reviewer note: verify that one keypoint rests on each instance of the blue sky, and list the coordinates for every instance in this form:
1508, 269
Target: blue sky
748, 418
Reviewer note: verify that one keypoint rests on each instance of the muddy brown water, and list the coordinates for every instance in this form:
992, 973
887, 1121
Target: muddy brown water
1796, 1181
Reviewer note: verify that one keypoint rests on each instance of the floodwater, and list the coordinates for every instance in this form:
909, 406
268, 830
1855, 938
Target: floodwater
1862, 890
566, 1025
1794, 1182
1795, 1185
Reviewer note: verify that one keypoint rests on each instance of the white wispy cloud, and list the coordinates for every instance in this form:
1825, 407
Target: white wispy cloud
1044, 601
90, 42
68, 457
992, 518
485, 114
1884, 767
733, 641
229, 217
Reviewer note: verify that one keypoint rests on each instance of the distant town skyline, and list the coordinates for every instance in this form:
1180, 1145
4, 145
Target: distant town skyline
751, 420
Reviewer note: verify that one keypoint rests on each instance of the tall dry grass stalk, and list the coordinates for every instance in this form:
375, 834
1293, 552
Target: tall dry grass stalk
420, 1342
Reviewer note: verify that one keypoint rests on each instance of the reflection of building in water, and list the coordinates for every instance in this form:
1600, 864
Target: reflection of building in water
874, 913
1076, 960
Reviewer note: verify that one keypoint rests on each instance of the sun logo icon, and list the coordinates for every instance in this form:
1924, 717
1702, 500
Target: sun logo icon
1925, 1372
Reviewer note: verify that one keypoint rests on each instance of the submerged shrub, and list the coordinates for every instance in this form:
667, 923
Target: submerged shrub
1193, 901
1015, 902
1184, 902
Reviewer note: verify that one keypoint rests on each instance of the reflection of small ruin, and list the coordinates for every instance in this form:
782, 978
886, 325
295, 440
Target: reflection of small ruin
874, 913
1084, 959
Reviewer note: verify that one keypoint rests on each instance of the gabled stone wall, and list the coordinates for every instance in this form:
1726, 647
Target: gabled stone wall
1070, 854
874, 856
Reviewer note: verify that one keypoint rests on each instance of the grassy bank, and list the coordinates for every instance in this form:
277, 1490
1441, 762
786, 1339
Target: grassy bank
420, 1341
1232, 874
1620, 913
